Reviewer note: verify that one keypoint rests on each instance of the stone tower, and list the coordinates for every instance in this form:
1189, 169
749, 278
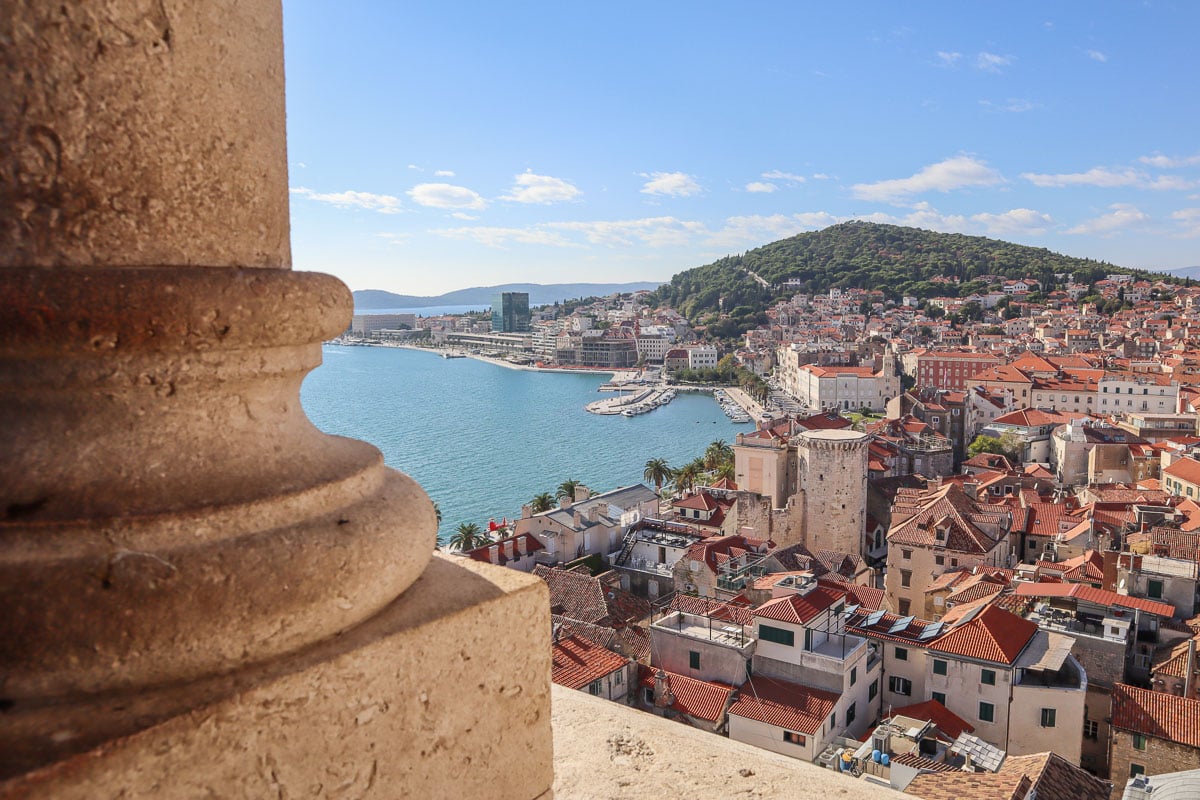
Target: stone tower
832, 478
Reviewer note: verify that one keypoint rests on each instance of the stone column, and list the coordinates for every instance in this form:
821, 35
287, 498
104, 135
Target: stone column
174, 533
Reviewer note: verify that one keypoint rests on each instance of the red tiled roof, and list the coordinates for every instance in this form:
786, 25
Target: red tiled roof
701, 501
1158, 714
993, 634
705, 700
1185, 469
785, 704
947, 721
579, 661
1091, 594
799, 608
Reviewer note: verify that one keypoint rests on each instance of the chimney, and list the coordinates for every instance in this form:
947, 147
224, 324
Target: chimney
526, 511
578, 519
1110, 570
582, 493
564, 502
593, 512
522, 545
663, 696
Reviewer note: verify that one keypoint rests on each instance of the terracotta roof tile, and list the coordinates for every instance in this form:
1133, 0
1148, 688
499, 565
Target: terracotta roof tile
705, 700
785, 704
578, 661
800, 608
947, 721
1164, 716
1091, 594
992, 634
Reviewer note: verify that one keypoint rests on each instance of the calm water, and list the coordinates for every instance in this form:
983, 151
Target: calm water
425, 311
482, 440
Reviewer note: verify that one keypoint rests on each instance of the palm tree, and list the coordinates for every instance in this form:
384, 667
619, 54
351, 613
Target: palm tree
542, 502
657, 472
726, 471
685, 476
717, 454
567, 488
437, 512
467, 536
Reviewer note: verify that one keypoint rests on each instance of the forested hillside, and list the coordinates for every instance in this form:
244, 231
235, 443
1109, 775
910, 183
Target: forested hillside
898, 261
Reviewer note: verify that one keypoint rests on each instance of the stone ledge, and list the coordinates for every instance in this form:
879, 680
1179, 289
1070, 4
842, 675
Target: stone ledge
604, 750
445, 693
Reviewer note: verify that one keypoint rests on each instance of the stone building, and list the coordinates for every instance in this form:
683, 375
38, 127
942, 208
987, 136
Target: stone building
1152, 733
832, 474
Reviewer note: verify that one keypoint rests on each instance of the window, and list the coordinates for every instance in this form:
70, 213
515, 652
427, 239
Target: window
1048, 717
850, 712
906, 554
693, 659
954, 562
833, 721
939, 667
853, 675
940, 697
1155, 588
1136, 769
905, 603
901, 654
898, 685
795, 738
987, 677
617, 679
1139, 741
987, 712
1091, 729
873, 689
595, 687
777, 635
906, 576
939, 560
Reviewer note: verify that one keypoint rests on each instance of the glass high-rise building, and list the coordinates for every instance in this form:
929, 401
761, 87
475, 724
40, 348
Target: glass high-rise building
510, 312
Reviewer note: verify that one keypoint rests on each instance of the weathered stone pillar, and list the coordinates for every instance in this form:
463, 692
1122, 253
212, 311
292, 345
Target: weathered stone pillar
186, 563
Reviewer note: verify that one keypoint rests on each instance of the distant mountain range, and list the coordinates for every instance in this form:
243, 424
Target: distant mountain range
1185, 272
540, 294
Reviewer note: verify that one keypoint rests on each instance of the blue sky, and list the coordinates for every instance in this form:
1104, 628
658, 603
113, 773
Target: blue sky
436, 146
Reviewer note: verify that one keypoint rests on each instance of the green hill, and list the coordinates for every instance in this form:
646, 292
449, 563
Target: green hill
895, 260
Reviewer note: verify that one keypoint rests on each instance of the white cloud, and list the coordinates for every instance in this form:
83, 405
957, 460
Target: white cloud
954, 173
1123, 215
759, 186
445, 195
395, 238
1108, 178
1096, 55
498, 237
542, 189
382, 203
756, 229
776, 175
414, 166
651, 231
948, 59
1013, 105
992, 62
1014, 221
672, 184
820, 176
1168, 162
1189, 221
444, 173
464, 216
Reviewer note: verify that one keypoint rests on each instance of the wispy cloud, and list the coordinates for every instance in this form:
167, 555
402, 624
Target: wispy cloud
381, 203
948, 59
650, 231
992, 62
1121, 217
1109, 178
395, 238
741, 231
1189, 221
543, 189
820, 176
1096, 55
1013, 105
444, 173
415, 167
777, 175
671, 184
1170, 162
498, 237
959, 172
760, 187
445, 195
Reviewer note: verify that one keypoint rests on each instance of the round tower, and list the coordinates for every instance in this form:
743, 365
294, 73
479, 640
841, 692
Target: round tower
833, 476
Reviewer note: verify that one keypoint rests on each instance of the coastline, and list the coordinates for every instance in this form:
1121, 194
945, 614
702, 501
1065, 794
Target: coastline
496, 361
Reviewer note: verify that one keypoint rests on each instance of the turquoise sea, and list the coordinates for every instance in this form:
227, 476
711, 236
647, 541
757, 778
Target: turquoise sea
482, 439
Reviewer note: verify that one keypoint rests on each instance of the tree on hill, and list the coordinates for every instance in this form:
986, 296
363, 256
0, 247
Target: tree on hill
541, 502
1007, 445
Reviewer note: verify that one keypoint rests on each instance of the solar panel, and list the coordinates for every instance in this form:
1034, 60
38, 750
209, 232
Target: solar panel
901, 624
930, 632
970, 615
851, 609
874, 618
